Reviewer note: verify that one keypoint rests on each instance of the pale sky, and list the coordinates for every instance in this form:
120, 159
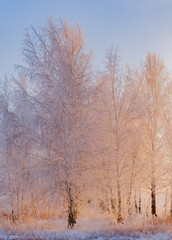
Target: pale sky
136, 26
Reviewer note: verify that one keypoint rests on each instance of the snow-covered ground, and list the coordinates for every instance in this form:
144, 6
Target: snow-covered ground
79, 235
91, 225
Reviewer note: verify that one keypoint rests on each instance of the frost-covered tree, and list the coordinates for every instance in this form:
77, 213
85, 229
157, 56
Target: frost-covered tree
59, 69
70, 136
154, 78
122, 112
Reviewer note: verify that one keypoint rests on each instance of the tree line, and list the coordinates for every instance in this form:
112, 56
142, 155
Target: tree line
70, 135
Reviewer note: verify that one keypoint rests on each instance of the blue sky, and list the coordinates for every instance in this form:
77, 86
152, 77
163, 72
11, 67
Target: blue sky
135, 25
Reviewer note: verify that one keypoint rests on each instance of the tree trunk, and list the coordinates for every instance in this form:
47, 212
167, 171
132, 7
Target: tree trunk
165, 204
153, 183
18, 204
119, 216
72, 212
171, 204
135, 201
12, 199
153, 199
140, 201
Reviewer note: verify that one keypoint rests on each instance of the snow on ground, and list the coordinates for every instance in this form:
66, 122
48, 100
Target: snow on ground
77, 235
91, 225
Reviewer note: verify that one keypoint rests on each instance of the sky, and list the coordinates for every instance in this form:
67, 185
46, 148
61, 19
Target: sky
136, 26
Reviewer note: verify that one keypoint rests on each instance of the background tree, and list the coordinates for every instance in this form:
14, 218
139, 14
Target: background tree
154, 79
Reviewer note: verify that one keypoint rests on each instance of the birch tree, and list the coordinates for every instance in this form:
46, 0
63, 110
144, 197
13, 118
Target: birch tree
60, 67
122, 113
153, 90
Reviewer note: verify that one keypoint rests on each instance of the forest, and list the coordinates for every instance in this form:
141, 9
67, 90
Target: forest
72, 136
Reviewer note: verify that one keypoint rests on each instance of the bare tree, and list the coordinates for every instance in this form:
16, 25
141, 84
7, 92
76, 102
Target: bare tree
122, 112
60, 67
154, 79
